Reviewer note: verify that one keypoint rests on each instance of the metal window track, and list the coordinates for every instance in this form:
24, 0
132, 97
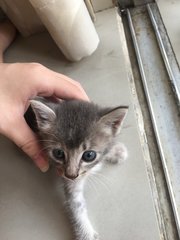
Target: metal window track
160, 77
172, 66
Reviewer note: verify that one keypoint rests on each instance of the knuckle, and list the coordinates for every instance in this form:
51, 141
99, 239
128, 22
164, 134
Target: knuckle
35, 71
35, 68
36, 65
78, 85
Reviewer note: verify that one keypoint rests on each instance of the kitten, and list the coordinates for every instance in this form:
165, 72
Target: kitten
78, 136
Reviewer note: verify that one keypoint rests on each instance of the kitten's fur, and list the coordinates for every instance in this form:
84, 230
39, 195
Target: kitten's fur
75, 127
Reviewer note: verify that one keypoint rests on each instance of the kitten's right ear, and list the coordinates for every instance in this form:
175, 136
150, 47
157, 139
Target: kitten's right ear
44, 115
113, 119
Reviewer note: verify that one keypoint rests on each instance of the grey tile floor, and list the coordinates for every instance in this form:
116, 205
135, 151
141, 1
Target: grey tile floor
120, 206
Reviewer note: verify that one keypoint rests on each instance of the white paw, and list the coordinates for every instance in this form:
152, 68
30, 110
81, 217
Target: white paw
88, 236
96, 236
118, 154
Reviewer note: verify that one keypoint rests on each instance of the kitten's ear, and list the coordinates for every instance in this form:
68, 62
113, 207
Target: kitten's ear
114, 119
44, 115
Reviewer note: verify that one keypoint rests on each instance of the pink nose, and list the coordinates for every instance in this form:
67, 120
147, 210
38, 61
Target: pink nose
72, 177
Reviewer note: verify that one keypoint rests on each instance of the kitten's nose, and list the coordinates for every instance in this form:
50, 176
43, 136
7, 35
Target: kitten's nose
72, 177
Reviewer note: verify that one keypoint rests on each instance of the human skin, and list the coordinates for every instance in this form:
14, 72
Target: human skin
19, 83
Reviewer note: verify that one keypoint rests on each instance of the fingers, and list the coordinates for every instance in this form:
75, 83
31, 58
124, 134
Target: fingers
61, 86
72, 89
23, 137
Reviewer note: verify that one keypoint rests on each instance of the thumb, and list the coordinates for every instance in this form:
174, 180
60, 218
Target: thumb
24, 138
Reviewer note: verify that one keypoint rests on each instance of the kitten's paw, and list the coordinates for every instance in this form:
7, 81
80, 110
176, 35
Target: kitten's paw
96, 236
88, 236
118, 154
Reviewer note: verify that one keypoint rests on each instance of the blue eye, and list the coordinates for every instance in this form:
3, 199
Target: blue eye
89, 156
58, 154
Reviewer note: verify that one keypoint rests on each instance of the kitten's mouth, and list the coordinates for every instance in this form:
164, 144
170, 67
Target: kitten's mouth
83, 173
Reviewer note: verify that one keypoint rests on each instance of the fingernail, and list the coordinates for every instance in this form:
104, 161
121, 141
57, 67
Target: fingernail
42, 164
44, 168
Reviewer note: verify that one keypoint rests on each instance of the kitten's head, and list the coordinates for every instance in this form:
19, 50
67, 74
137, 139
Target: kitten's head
76, 134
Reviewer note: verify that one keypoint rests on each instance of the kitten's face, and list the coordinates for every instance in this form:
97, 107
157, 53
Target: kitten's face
77, 134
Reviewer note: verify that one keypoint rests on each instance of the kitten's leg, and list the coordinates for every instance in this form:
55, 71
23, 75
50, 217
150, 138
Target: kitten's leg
77, 211
117, 153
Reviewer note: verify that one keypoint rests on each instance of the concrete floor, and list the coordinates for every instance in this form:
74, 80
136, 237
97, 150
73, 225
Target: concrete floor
169, 10
120, 206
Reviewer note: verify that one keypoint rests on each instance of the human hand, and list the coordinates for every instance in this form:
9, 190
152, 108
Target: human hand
20, 82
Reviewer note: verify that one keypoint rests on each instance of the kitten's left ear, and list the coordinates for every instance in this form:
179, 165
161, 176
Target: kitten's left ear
115, 118
44, 114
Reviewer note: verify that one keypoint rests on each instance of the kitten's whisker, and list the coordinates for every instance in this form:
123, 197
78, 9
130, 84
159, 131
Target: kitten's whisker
47, 141
91, 182
102, 183
44, 148
108, 180
98, 181
107, 187
32, 141
53, 135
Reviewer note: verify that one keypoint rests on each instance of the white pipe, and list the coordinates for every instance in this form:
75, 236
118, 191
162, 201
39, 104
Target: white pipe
70, 26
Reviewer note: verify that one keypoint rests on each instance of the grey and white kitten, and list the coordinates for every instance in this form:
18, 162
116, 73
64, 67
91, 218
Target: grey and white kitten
78, 136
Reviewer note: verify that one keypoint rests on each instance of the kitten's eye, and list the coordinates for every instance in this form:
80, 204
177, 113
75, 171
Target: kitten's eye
58, 153
89, 156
